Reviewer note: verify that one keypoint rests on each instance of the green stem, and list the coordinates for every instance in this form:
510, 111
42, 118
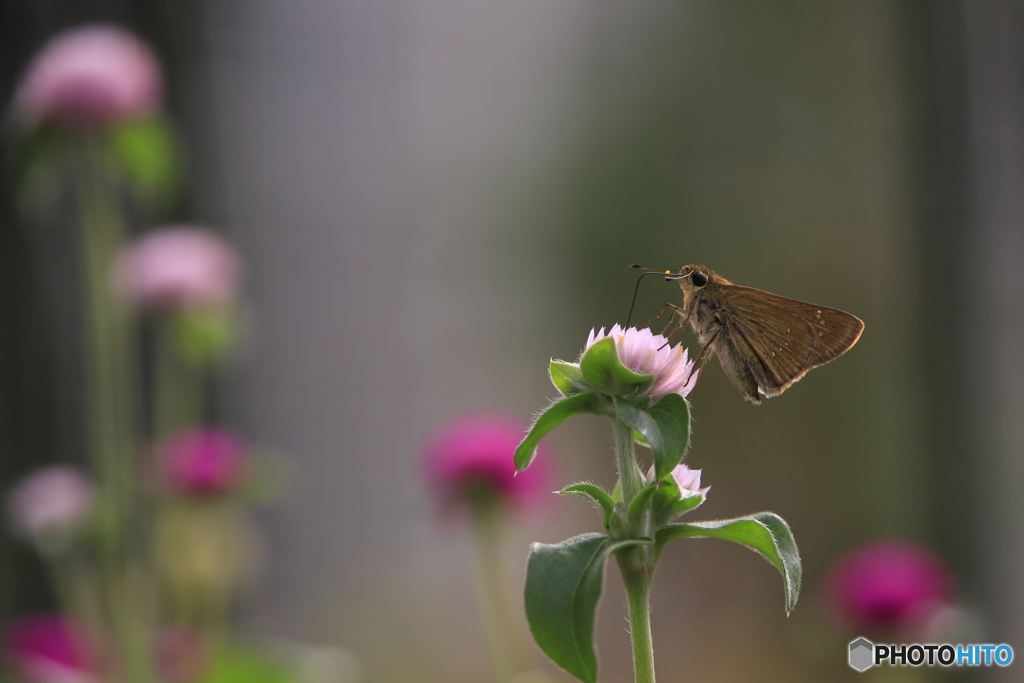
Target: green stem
631, 479
109, 346
178, 399
507, 642
112, 406
638, 596
636, 563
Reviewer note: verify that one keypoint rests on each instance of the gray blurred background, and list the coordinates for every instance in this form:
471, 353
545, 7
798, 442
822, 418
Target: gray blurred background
434, 198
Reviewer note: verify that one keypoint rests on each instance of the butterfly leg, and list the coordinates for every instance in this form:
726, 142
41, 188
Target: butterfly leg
676, 322
702, 358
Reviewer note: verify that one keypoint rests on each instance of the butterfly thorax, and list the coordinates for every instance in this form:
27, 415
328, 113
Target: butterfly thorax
703, 304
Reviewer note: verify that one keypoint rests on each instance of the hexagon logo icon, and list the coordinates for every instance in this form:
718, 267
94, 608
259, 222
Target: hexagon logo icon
862, 654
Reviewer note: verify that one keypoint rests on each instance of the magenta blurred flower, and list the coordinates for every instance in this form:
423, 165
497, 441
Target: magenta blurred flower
469, 464
178, 267
89, 76
53, 500
49, 648
886, 586
647, 353
203, 461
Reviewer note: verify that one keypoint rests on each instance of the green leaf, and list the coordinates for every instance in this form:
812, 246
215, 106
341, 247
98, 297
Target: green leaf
672, 415
764, 532
554, 415
603, 370
595, 494
664, 427
567, 377
563, 588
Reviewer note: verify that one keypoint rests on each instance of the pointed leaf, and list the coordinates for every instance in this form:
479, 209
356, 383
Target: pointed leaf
563, 588
603, 370
765, 533
595, 494
566, 377
554, 415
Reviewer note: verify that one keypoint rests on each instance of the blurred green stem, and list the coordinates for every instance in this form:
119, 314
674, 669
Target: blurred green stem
178, 387
507, 639
112, 406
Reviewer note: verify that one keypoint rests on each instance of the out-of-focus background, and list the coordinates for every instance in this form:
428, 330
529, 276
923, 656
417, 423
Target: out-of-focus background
434, 198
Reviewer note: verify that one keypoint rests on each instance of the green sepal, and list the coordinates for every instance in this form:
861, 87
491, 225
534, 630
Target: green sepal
567, 377
669, 503
764, 532
554, 415
596, 495
205, 334
665, 430
146, 152
563, 588
603, 371
639, 505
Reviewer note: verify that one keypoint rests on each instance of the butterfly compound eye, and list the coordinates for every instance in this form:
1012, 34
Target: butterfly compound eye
699, 279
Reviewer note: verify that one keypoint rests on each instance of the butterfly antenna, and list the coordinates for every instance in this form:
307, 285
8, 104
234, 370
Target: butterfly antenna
636, 289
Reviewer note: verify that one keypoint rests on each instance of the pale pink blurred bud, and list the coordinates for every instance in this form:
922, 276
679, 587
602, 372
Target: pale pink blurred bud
178, 267
888, 586
53, 500
470, 464
90, 76
49, 648
203, 461
182, 655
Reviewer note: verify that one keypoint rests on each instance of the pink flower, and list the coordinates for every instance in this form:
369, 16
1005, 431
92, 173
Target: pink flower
48, 648
888, 586
469, 464
689, 481
56, 499
203, 461
178, 267
89, 76
647, 353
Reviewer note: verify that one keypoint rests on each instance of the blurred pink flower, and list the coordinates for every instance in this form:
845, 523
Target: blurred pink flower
88, 76
57, 499
178, 267
49, 648
469, 464
647, 353
886, 586
203, 461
